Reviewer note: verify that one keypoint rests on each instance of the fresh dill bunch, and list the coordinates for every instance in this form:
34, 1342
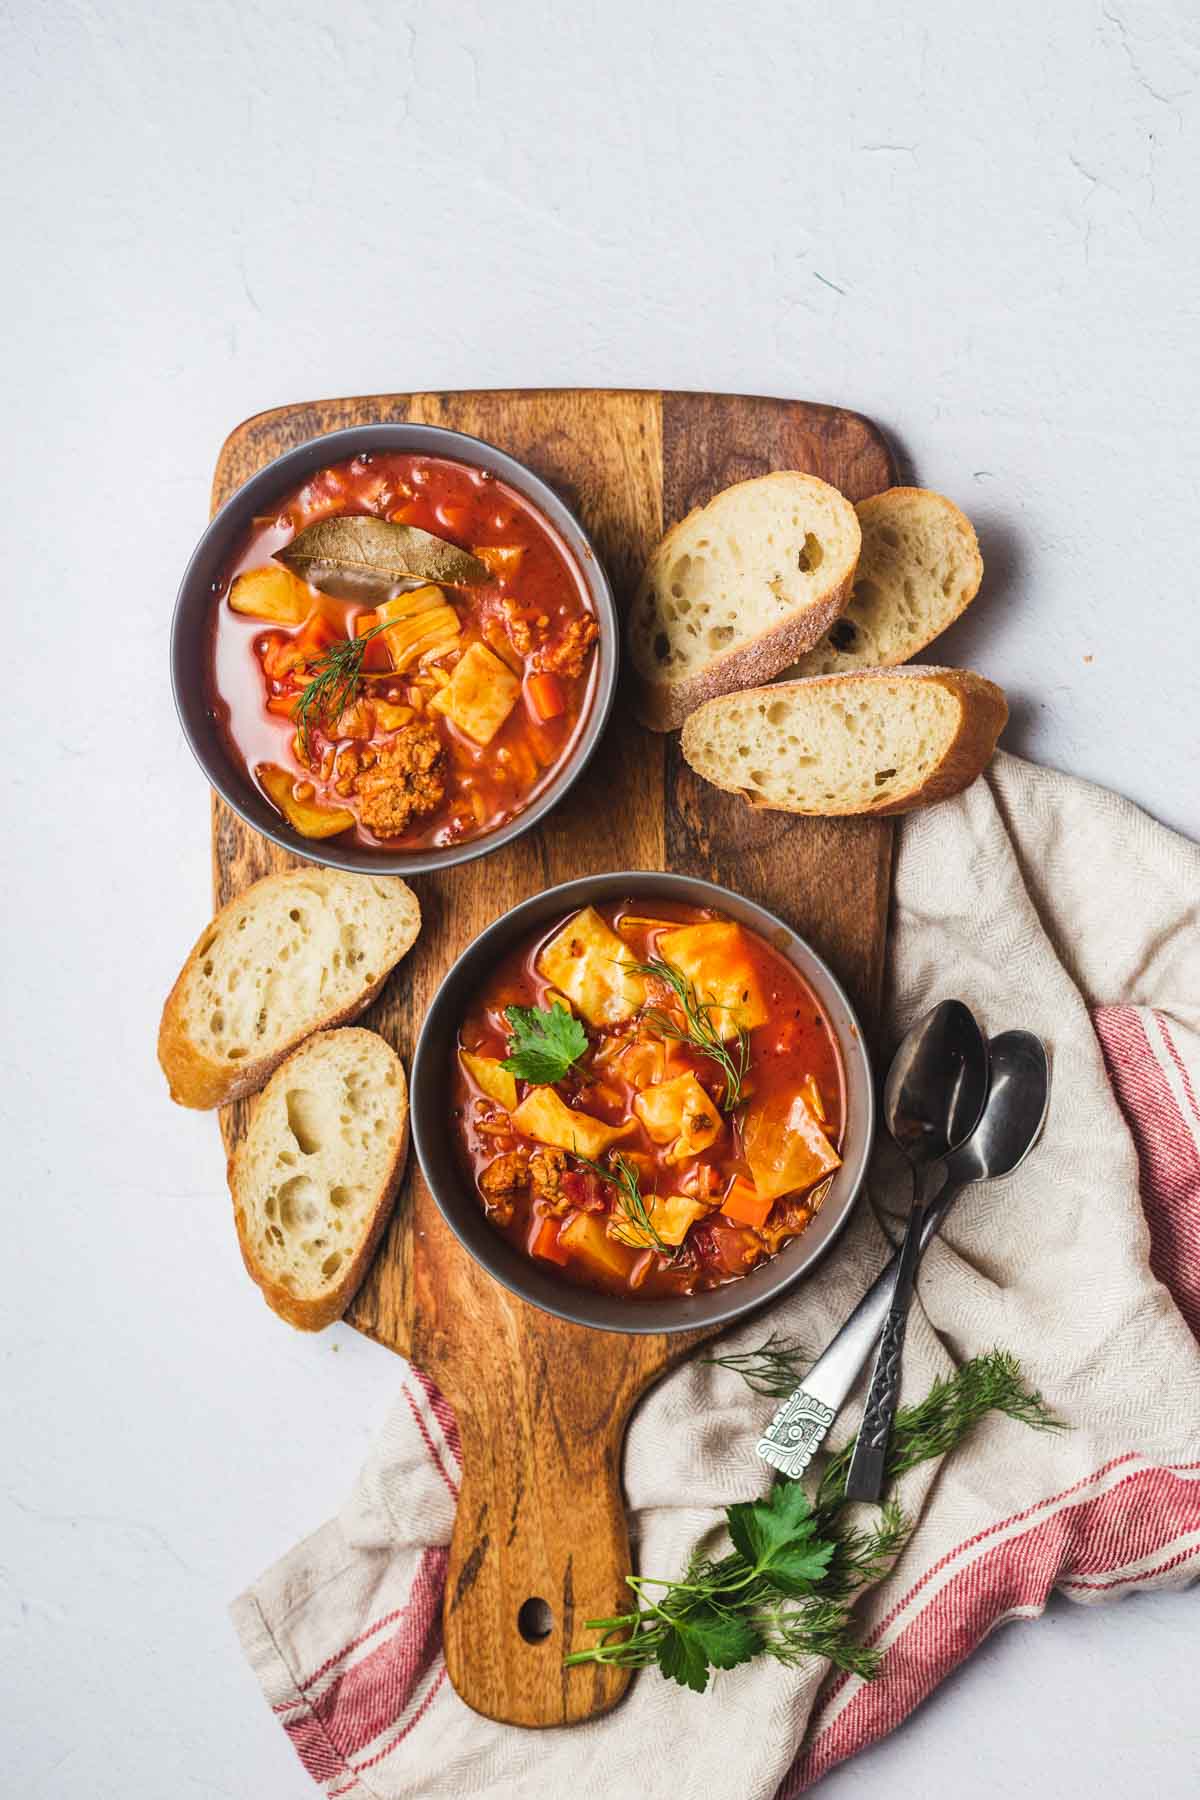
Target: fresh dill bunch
774, 1369
948, 1413
624, 1177
335, 678
822, 1628
698, 1030
863, 1557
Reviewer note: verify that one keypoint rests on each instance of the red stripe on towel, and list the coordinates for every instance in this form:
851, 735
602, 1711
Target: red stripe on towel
427, 1440
399, 1738
1167, 1154
1146, 1511
1184, 1078
443, 1412
369, 1698
373, 1694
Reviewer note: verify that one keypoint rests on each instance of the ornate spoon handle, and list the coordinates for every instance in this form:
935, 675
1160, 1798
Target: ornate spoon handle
798, 1429
864, 1478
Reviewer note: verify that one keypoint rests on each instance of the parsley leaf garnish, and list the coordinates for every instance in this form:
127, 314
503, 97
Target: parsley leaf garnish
545, 1042
778, 1536
706, 1637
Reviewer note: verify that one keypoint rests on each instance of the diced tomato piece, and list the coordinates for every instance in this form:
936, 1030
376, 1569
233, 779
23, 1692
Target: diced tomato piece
375, 656
729, 1248
584, 1190
545, 1244
277, 654
743, 1204
317, 634
545, 696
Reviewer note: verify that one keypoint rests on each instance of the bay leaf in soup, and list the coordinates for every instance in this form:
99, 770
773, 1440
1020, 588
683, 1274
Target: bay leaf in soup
360, 557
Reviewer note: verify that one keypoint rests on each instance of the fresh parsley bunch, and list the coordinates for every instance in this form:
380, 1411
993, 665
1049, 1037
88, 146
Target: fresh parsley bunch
788, 1587
763, 1598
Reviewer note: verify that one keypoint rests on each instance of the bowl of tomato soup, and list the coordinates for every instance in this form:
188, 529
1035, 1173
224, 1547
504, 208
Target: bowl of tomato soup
394, 649
642, 1102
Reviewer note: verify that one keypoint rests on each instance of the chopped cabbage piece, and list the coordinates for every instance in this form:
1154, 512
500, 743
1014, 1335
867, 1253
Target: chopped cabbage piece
715, 960
679, 1113
489, 1074
671, 1217
785, 1146
590, 964
480, 694
543, 1115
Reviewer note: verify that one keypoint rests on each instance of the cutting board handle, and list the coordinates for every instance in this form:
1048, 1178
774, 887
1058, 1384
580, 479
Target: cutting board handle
540, 1543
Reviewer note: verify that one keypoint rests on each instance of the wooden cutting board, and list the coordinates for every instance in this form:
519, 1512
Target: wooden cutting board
542, 1405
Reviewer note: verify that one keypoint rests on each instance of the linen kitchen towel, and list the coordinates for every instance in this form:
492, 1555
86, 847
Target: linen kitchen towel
1045, 903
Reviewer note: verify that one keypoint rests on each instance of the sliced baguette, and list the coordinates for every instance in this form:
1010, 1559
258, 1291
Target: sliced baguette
739, 589
295, 953
918, 569
876, 741
314, 1179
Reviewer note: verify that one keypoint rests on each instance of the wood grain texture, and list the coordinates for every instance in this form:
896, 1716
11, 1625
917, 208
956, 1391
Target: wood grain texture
541, 1404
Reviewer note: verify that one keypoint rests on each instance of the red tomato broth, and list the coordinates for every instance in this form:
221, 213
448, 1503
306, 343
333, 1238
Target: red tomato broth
795, 1044
485, 784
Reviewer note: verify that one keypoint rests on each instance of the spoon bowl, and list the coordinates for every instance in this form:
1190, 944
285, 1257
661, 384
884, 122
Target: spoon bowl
937, 1084
1018, 1099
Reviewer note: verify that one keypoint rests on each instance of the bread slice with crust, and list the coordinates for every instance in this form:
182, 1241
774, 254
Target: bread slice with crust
918, 569
294, 954
314, 1179
739, 589
874, 741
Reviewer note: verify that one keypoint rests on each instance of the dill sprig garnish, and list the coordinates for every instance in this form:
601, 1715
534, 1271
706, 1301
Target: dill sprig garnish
949, 1411
335, 679
775, 1368
788, 1586
624, 1177
698, 1029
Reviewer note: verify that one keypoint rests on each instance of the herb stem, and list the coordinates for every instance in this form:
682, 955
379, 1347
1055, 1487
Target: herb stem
698, 1029
335, 677
775, 1368
624, 1177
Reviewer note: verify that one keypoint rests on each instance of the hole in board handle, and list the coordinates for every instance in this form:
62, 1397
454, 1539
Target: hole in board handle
535, 1621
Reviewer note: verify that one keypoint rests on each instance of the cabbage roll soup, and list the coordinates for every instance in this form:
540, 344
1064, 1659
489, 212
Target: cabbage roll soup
648, 1099
403, 653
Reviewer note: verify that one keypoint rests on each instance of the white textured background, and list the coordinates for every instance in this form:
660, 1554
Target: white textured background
976, 224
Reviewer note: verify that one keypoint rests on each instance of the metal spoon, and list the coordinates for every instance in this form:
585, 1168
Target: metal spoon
932, 1099
1020, 1078
1012, 1120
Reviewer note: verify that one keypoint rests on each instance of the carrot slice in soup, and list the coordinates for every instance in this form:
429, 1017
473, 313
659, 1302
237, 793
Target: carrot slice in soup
744, 1203
545, 696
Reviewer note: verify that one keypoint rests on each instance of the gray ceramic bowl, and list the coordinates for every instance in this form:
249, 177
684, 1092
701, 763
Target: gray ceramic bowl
192, 624
458, 1203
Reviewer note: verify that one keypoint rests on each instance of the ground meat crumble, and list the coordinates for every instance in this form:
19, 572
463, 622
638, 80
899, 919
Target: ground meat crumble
406, 780
567, 655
